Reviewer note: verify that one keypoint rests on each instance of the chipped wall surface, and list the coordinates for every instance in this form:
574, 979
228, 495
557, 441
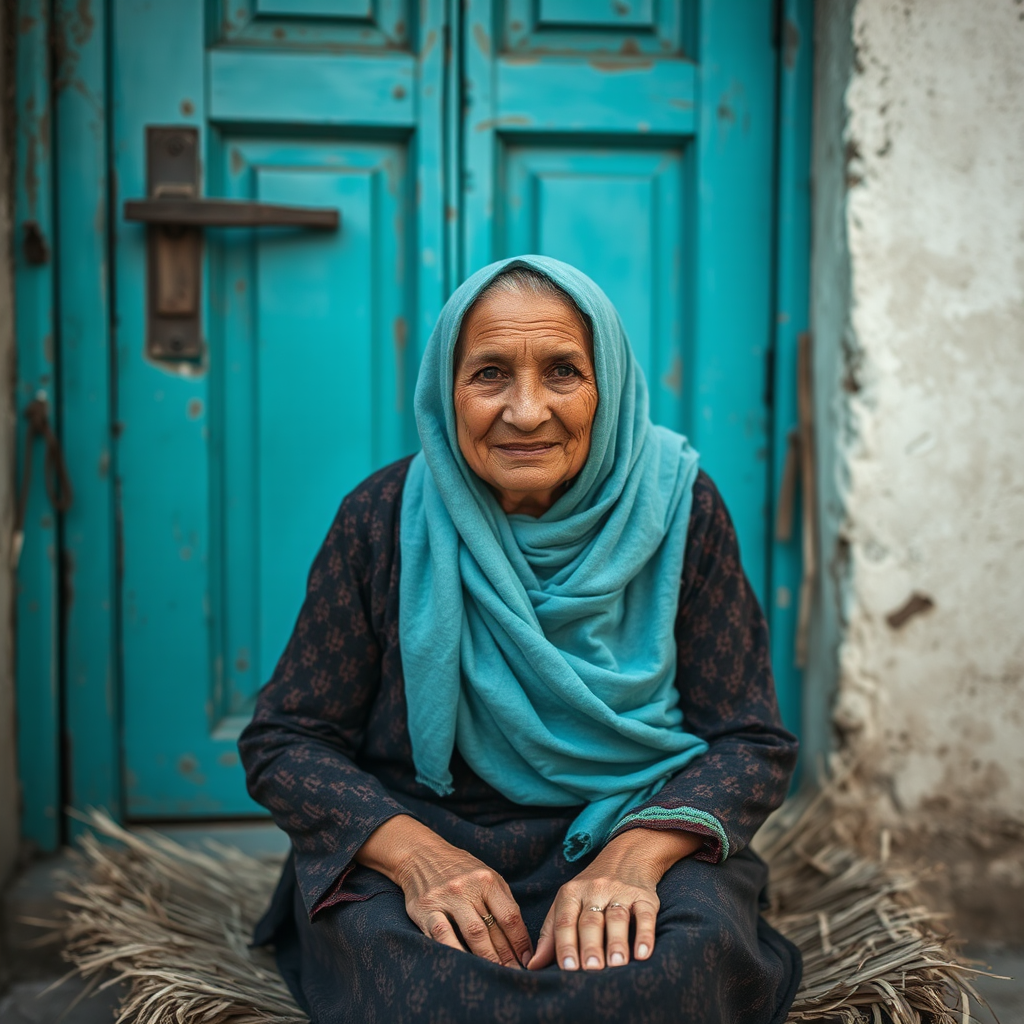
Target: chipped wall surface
8, 766
928, 452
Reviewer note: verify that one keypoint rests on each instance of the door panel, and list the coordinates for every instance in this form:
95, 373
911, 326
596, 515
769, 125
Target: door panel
613, 13
580, 205
231, 467
566, 100
321, 89
598, 26
314, 24
303, 313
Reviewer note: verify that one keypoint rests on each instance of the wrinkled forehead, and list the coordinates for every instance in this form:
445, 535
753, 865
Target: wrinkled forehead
509, 318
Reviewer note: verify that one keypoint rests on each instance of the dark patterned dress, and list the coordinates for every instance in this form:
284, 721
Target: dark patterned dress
328, 753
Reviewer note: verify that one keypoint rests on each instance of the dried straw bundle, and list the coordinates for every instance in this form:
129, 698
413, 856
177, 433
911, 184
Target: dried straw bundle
871, 954
173, 923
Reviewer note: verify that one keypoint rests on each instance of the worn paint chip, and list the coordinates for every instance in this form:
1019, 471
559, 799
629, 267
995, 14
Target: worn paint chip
916, 604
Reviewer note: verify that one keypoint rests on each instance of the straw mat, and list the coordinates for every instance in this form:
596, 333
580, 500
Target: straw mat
173, 923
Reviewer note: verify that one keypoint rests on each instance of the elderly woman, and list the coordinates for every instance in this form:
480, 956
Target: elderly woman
525, 727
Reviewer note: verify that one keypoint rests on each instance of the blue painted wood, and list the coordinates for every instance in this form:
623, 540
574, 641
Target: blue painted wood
168, 622
582, 205
90, 690
725, 382
37, 624
560, 26
433, 150
453, 86
223, 494
793, 251
705, 230
360, 9
231, 470
597, 12
353, 89
623, 96
313, 24
480, 140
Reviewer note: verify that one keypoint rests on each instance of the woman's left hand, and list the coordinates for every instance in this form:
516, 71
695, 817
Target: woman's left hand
622, 881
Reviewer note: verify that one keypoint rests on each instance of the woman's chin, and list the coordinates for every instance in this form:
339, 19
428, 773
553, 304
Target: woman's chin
527, 478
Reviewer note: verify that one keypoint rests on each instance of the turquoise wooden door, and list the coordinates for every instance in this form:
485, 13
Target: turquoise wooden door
634, 140
231, 465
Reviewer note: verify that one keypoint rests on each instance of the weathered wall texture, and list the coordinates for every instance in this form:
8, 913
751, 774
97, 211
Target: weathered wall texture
8, 767
927, 451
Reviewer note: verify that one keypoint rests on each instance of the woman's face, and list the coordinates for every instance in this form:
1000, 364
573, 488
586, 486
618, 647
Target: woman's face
525, 397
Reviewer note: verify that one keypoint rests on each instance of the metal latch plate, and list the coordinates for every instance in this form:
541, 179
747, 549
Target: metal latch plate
175, 251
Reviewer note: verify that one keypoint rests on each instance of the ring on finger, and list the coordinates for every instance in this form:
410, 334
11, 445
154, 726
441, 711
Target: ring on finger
611, 905
488, 920
596, 910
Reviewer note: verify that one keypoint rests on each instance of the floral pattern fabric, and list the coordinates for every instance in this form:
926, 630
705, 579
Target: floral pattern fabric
328, 754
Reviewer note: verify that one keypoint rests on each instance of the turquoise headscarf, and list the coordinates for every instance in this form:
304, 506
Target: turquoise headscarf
544, 647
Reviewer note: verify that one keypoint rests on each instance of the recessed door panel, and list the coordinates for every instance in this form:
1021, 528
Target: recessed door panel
621, 27
619, 216
597, 12
317, 24
304, 318
359, 10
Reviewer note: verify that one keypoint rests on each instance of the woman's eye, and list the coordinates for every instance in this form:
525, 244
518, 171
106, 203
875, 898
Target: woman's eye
489, 373
565, 370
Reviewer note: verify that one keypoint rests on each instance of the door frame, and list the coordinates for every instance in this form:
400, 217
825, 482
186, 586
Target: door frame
67, 623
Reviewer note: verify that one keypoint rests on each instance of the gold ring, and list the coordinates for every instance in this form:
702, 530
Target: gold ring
489, 920
596, 910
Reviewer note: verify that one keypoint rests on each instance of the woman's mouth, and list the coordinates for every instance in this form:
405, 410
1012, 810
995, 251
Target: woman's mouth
524, 449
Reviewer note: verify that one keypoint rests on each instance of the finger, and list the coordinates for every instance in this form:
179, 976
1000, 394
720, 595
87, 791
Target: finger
567, 916
646, 915
440, 929
506, 955
616, 932
545, 953
475, 932
509, 919
591, 929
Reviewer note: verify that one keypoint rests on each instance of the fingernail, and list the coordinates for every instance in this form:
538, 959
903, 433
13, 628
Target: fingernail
616, 959
642, 950
592, 961
569, 964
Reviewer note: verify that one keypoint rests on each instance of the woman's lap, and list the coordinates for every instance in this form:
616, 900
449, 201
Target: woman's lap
714, 961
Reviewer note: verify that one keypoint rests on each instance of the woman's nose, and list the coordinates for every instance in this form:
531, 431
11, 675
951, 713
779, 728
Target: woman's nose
526, 408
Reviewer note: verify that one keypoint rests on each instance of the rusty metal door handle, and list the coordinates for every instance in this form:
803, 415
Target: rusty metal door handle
228, 213
175, 215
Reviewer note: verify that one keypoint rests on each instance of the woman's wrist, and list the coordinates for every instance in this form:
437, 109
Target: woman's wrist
650, 851
393, 847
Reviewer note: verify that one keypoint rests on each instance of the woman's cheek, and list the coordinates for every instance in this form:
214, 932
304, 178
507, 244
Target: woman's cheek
584, 408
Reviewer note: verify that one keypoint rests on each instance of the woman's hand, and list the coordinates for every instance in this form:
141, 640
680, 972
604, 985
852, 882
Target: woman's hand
622, 880
442, 885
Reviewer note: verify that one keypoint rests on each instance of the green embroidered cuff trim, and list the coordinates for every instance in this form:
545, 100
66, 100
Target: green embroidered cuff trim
691, 814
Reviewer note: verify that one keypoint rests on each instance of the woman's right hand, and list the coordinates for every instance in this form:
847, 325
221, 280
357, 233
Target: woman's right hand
444, 885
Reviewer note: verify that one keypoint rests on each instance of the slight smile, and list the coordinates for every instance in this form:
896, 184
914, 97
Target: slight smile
524, 450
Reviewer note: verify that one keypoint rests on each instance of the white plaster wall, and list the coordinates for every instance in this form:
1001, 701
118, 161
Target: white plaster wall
932, 466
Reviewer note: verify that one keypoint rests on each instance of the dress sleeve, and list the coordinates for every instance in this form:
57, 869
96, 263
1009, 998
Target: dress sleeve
727, 695
298, 751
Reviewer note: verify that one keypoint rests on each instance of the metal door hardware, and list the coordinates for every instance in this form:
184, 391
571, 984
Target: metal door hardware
176, 216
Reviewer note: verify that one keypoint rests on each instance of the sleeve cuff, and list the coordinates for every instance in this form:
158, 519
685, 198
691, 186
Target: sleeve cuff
686, 819
353, 883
